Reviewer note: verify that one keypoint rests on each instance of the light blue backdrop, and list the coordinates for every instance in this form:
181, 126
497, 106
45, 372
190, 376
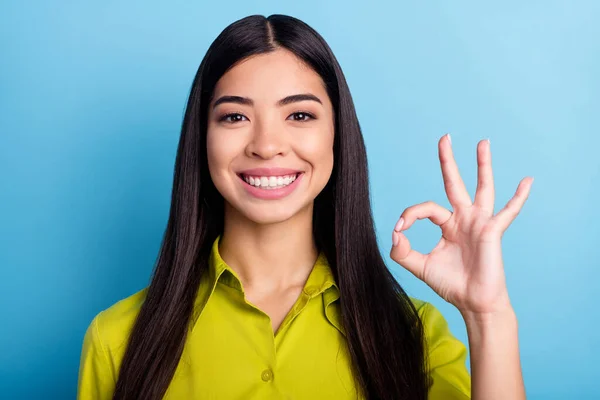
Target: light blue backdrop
91, 101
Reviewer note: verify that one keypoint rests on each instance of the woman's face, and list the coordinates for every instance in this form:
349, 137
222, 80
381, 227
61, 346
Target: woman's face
270, 154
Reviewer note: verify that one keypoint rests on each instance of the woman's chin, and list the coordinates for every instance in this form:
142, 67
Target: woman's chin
267, 212
268, 216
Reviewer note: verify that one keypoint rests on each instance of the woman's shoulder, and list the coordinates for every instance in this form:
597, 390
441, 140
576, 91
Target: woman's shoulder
418, 303
433, 321
127, 307
424, 308
113, 324
104, 345
447, 355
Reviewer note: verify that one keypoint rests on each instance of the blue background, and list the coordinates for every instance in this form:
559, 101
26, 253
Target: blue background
91, 102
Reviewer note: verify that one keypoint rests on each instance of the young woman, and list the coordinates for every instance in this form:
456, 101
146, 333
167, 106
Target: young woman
270, 284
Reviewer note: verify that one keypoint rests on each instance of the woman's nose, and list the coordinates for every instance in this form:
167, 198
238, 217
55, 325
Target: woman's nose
267, 142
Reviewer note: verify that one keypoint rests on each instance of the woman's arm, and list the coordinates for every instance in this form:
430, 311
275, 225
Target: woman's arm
466, 269
494, 352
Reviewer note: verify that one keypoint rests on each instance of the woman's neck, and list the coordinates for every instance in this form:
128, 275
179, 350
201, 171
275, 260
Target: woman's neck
271, 257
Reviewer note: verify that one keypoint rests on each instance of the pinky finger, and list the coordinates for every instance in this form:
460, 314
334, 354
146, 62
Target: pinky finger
508, 214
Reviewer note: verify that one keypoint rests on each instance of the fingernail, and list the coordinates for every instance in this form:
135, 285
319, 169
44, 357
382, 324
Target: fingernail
399, 224
395, 238
488, 140
449, 139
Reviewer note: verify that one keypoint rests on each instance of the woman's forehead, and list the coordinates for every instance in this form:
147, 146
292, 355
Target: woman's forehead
270, 77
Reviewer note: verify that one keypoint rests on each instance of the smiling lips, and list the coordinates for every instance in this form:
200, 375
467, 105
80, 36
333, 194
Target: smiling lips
270, 183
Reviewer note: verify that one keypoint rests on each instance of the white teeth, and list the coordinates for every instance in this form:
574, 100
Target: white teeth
270, 182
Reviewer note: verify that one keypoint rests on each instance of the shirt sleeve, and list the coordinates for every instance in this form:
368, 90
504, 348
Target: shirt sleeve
447, 358
96, 380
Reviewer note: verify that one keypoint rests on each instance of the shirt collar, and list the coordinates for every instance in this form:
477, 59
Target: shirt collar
320, 280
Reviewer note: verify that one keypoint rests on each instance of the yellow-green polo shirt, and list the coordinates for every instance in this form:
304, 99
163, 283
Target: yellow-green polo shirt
231, 352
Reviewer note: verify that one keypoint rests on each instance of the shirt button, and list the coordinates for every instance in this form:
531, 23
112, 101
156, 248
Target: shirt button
310, 290
267, 375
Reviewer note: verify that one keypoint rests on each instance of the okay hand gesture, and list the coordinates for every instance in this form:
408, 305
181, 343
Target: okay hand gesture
465, 267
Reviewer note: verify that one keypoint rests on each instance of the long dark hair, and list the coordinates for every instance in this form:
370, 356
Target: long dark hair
384, 333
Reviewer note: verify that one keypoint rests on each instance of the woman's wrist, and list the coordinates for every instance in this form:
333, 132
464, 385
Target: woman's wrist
482, 321
494, 353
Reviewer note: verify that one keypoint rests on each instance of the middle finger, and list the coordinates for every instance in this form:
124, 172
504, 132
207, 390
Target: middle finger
455, 187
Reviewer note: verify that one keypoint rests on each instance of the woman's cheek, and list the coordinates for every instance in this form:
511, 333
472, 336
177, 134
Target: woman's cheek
317, 150
316, 143
223, 147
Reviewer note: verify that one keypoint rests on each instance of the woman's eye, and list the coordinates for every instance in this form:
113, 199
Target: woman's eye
302, 116
231, 118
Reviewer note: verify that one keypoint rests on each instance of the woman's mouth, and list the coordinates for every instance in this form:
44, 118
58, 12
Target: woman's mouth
269, 182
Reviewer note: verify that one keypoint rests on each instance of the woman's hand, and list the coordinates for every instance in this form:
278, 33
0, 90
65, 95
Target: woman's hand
465, 267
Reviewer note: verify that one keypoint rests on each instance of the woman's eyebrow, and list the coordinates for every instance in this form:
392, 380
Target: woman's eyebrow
249, 102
